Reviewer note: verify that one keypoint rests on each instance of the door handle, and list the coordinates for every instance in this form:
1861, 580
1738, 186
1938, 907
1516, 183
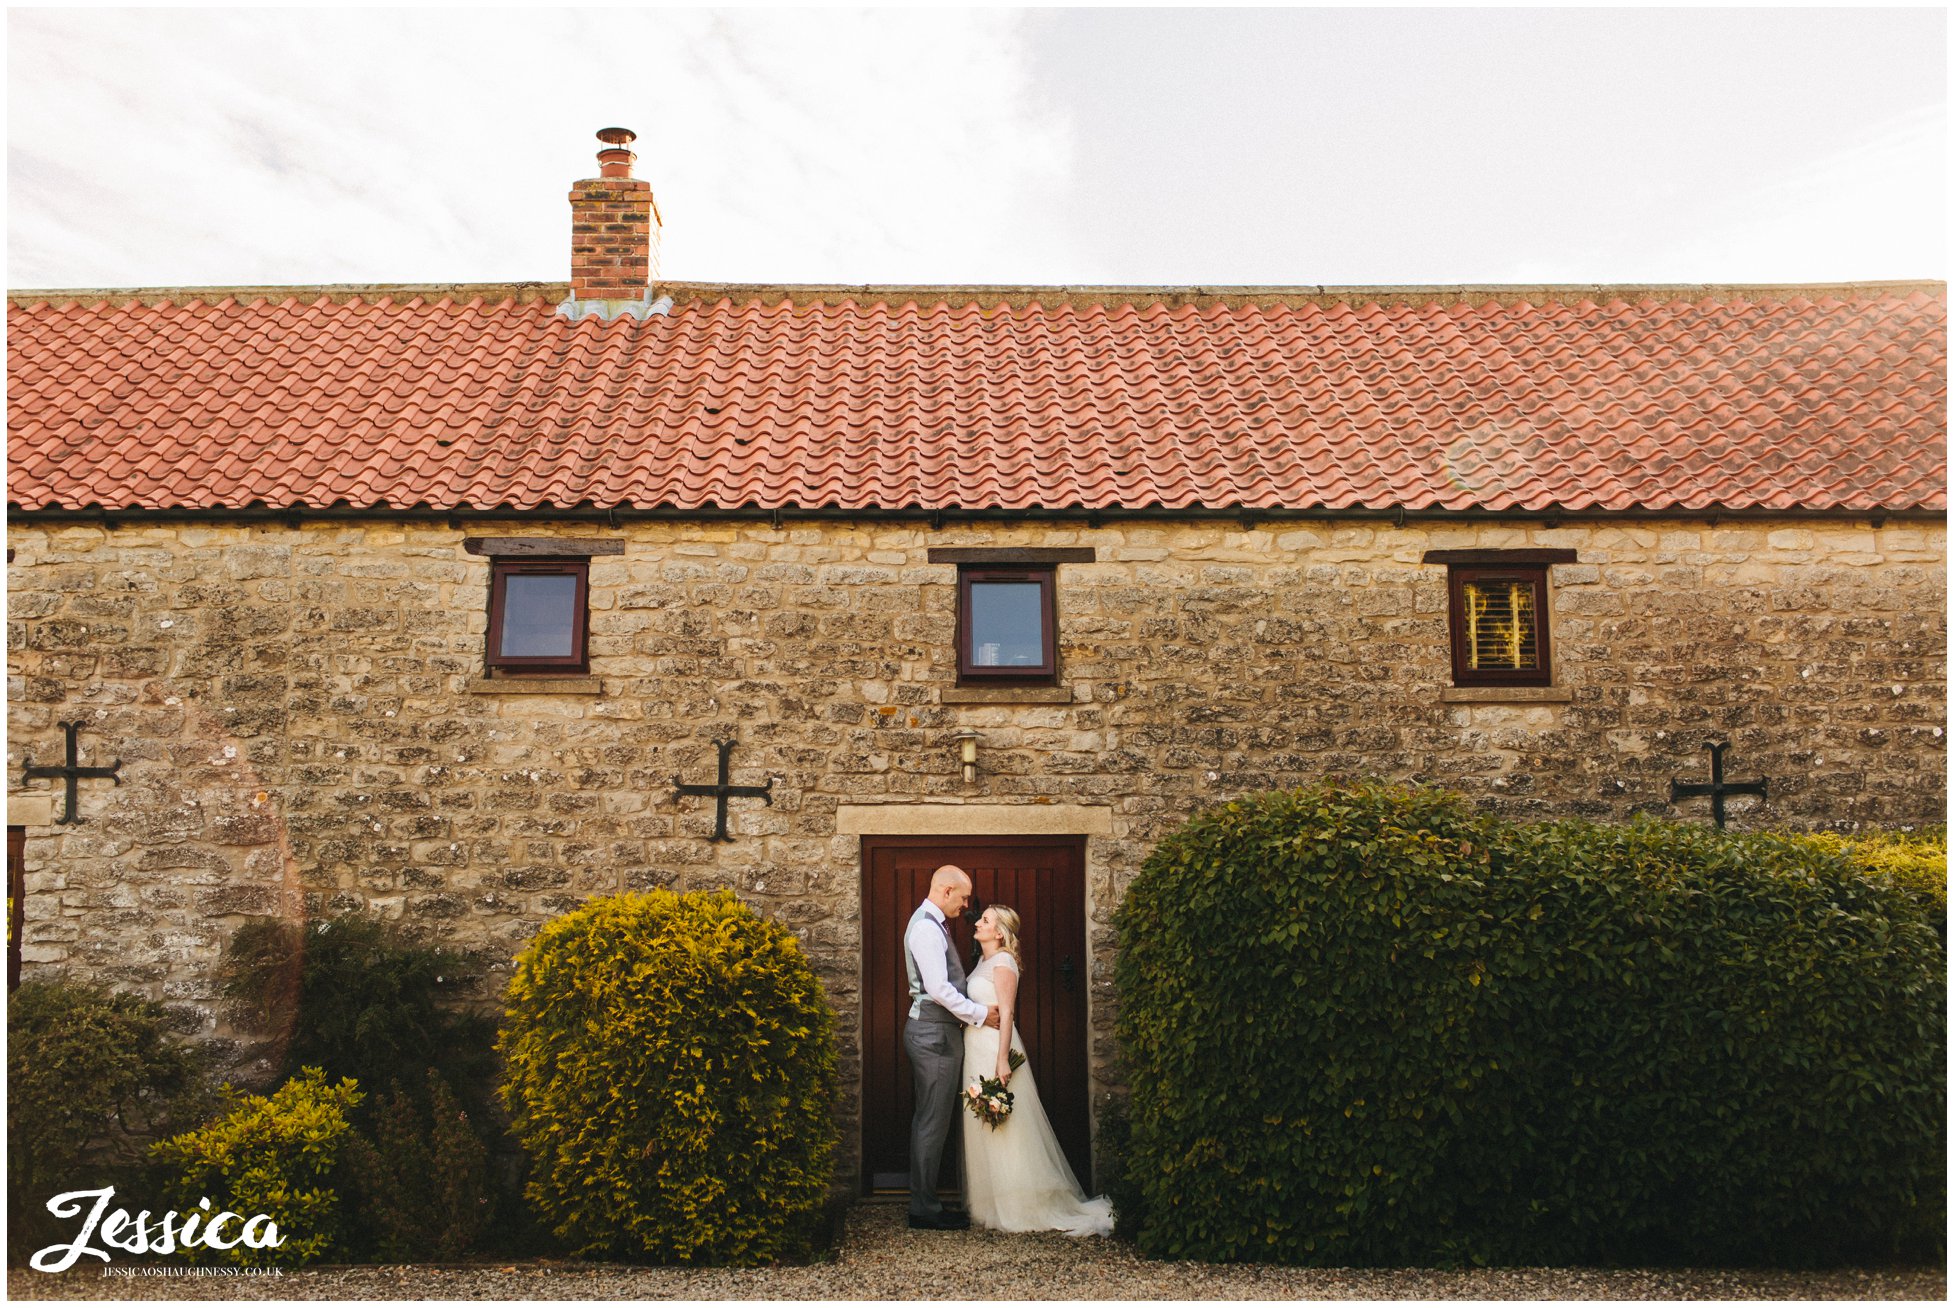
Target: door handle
1066, 973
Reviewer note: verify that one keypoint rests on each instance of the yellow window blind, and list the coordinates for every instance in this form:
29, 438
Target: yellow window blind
1501, 633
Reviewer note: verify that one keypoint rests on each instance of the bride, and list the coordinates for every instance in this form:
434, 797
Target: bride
1015, 1176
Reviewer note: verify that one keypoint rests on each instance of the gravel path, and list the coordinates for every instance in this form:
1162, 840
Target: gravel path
882, 1259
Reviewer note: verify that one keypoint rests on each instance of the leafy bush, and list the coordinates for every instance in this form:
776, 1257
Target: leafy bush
424, 1184
1364, 1025
352, 996
671, 1070
278, 1156
93, 1078
355, 996
1305, 1026
1726, 1048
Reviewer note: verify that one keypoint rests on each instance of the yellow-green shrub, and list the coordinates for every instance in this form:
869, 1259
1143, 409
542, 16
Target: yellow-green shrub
1916, 860
278, 1156
671, 1071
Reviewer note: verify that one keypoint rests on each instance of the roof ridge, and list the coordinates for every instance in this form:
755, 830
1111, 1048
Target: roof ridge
987, 295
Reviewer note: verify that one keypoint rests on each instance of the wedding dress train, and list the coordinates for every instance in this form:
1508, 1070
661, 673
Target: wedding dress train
1016, 1177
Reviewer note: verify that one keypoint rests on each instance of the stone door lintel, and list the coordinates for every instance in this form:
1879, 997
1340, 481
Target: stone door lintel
30, 810
973, 820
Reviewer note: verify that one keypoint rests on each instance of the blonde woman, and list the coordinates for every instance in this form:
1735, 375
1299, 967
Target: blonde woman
1016, 1177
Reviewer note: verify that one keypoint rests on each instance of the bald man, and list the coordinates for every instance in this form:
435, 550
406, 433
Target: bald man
933, 1038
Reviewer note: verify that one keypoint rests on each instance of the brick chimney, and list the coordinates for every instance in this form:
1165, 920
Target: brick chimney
613, 228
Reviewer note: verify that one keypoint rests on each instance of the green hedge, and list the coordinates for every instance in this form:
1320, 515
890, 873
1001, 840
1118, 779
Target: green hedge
1364, 1025
1730, 1048
671, 1071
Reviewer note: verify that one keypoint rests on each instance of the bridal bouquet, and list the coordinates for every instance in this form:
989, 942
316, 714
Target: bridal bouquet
989, 1102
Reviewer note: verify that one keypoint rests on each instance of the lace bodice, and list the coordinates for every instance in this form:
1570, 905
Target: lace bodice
980, 976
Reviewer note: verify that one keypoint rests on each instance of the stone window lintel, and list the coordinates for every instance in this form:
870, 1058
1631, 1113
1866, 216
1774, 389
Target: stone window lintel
1005, 695
1506, 695
535, 685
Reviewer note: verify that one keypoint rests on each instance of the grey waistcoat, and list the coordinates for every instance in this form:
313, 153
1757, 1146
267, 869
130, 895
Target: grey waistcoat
921, 1006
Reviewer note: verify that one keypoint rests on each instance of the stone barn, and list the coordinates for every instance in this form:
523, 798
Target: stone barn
428, 600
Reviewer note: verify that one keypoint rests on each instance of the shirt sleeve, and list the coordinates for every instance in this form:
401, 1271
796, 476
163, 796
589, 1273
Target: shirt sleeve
925, 945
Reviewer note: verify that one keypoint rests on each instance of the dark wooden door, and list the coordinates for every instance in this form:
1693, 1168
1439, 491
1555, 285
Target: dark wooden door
1043, 878
16, 900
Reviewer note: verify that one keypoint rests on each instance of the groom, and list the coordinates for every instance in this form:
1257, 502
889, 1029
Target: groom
933, 1038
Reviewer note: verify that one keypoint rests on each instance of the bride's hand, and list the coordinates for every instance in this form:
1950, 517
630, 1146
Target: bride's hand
1004, 1074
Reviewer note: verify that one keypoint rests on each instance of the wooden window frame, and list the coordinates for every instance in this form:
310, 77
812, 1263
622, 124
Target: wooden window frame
578, 661
969, 673
1535, 574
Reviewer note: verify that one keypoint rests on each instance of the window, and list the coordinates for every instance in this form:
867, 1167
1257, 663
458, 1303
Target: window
539, 615
1007, 618
1499, 627
1498, 613
1006, 623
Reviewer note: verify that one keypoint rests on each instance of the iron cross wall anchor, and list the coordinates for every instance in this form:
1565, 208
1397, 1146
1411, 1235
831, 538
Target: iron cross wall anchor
72, 772
722, 790
1717, 788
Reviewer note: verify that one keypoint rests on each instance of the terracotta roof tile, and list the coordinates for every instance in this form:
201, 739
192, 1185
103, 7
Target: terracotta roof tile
454, 400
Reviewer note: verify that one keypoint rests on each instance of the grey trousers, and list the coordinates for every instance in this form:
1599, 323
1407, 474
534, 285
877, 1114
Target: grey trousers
935, 1052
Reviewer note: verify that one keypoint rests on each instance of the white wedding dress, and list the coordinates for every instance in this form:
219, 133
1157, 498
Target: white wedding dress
1016, 1177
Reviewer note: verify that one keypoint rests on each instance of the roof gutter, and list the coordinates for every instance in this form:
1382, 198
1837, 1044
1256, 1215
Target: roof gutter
1248, 517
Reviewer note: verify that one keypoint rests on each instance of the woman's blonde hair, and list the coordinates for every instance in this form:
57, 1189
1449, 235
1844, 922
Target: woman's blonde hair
1007, 921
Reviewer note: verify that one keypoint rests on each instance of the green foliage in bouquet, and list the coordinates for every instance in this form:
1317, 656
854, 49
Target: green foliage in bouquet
1363, 1025
278, 1155
671, 1071
94, 1077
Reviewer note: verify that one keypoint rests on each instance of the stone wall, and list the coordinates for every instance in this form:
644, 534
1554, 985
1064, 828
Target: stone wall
301, 726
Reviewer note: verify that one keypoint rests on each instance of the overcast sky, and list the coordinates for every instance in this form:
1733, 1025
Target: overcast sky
1165, 146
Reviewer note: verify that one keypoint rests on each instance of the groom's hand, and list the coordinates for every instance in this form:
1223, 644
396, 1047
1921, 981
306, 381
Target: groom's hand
990, 1015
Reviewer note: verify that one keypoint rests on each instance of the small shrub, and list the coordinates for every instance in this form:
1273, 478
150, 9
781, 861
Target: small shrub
93, 1078
671, 1071
279, 1156
423, 1182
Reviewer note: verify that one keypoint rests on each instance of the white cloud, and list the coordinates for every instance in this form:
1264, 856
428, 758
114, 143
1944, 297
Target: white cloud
166, 147
185, 147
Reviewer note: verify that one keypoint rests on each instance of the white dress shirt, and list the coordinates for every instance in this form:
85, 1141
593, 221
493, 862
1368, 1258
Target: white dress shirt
925, 943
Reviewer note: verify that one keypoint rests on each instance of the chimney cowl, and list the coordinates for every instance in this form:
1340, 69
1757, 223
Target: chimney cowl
614, 158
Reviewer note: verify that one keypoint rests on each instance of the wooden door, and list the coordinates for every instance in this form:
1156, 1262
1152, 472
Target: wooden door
1043, 878
16, 900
